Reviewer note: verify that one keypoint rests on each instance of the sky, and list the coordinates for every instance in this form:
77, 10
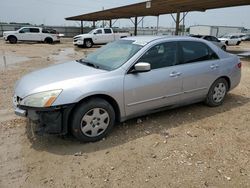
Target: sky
53, 12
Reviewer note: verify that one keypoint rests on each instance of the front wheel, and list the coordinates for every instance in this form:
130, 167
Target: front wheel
88, 43
92, 120
238, 43
217, 93
12, 40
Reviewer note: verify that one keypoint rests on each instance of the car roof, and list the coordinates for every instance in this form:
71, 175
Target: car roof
143, 40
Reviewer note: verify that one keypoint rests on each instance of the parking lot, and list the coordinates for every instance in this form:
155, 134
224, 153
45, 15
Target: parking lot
192, 146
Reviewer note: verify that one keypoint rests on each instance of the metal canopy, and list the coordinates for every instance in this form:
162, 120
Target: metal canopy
158, 7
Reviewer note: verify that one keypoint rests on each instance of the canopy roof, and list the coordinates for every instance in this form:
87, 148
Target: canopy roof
158, 7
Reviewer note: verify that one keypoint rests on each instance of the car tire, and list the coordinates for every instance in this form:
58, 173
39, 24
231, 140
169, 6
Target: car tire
224, 48
48, 40
88, 43
217, 93
226, 43
12, 40
92, 120
238, 43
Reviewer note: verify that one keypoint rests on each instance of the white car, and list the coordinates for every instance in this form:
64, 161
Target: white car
231, 39
36, 34
98, 36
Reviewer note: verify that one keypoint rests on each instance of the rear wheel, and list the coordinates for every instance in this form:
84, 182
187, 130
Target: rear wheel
224, 48
48, 40
12, 40
217, 93
92, 120
88, 43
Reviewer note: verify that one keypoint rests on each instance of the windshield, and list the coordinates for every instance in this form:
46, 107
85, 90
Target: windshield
113, 55
92, 31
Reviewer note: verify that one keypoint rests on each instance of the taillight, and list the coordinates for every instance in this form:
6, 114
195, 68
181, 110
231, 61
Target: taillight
239, 65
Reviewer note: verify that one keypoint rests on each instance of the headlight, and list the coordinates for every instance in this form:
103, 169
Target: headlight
43, 99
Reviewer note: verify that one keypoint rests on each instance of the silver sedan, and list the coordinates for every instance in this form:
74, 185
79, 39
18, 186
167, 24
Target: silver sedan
127, 78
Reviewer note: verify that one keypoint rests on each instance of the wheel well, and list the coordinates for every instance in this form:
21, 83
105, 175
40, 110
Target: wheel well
228, 81
109, 99
88, 39
11, 36
48, 39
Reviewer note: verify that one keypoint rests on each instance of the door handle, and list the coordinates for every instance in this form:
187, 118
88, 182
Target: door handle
214, 66
175, 74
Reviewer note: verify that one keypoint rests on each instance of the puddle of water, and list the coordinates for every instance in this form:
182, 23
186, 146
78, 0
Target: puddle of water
66, 54
63, 55
10, 59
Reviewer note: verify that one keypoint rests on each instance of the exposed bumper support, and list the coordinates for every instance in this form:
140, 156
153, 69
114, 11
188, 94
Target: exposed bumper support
20, 112
52, 120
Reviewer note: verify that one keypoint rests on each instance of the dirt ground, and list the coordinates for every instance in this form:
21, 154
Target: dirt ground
193, 146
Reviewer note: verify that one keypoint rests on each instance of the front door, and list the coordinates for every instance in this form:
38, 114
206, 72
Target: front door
157, 88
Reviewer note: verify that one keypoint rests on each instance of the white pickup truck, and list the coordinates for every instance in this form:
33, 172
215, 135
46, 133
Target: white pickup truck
37, 34
98, 36
231, 39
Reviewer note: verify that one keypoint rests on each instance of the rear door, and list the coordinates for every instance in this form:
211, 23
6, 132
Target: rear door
35, 34
108, 36
157, 88
199, 66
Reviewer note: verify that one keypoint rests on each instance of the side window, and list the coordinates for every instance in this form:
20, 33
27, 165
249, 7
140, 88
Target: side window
34, 30
99, 31
214, 39
107, 31
45, 31
208, 38
25, 30
195, 52
161, 55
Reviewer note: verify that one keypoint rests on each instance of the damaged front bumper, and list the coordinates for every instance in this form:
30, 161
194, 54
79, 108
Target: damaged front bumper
52, 120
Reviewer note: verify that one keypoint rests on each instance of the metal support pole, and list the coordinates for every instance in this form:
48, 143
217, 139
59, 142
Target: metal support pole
183, 24
94, 24
177, 22
110, 23
135, 33
157, 27
81, 27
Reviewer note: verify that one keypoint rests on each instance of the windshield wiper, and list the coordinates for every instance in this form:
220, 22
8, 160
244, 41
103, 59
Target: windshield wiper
83, 61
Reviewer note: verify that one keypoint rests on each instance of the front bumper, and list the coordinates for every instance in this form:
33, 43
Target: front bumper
53, 120
78, 42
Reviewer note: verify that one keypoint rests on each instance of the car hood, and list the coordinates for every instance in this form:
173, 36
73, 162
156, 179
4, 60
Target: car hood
83, 36
62, 76
9, 32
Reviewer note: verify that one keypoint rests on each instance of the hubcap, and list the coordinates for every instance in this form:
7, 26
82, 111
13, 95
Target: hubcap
219, 92
95, 122
88, 43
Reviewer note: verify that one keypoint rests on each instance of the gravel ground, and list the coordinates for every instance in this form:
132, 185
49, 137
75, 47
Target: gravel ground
193, 146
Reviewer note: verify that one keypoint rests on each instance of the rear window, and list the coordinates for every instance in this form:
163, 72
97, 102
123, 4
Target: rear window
107, 31
195, 52
51, 31
34, 30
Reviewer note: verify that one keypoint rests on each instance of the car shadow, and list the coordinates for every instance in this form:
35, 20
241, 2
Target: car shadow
157, 123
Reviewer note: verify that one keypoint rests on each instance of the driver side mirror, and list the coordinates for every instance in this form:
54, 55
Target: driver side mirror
142, 67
